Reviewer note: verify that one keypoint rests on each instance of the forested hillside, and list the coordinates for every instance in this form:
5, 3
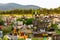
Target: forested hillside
31, 11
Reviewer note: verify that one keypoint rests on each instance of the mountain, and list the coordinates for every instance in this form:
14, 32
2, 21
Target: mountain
11, 6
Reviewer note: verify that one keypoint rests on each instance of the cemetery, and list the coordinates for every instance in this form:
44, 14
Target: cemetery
22, 28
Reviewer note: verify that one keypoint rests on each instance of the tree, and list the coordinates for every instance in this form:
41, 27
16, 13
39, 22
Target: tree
19, 19
7, 30
29, 21
1, 22
54, 26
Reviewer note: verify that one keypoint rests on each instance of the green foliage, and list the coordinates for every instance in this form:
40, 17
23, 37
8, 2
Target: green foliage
29, 21
17, 11
58, 31
6, 30
54, 26
5, 38
21, 39
12, 24
19, 19
0, 38
30, 11
1, 22
35, 39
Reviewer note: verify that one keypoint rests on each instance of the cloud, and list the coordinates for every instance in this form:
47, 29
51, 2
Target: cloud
41, 3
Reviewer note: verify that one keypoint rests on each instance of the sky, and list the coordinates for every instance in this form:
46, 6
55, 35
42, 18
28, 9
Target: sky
40, 3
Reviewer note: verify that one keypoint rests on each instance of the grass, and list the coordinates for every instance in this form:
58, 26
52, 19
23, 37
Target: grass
32, 39
35, 39
58, 31
21, 39
16, 14
41, 38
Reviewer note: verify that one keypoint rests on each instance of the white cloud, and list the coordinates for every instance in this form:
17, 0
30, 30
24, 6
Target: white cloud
41, 3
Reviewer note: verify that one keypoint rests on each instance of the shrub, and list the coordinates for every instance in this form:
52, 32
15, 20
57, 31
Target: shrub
19, 19
1, 22
29, 21
6, 30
